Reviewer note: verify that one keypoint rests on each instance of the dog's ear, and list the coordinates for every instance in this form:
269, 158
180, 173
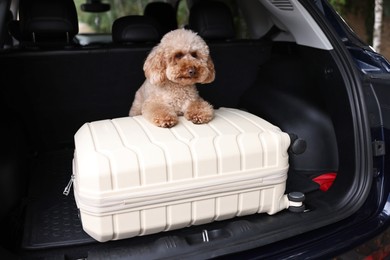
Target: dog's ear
211, 76
154, 66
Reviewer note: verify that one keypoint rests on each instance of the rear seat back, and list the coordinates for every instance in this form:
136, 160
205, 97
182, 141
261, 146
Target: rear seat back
136, 29
56, 91
236, 61
164, 13
47, 23
212, 20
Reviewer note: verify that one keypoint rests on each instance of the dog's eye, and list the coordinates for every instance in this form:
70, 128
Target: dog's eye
194, 54
179, 55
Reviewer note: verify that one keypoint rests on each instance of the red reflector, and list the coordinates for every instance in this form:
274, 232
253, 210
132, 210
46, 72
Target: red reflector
325, 180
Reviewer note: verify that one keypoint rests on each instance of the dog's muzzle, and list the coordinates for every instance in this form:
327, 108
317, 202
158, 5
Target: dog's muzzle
191, 72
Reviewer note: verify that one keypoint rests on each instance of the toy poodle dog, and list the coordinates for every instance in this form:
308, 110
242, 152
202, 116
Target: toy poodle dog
172, 69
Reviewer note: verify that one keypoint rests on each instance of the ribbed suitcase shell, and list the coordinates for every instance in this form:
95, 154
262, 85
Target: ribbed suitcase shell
132, 178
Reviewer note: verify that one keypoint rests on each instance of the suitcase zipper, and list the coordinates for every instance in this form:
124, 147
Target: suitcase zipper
68, 186
143, 199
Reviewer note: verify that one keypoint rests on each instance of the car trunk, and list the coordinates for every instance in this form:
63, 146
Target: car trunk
300, 89
310, 93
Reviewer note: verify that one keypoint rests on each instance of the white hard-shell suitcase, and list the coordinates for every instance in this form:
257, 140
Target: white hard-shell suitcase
132, 178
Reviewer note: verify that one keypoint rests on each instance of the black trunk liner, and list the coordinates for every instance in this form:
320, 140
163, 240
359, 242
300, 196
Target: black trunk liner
51, 217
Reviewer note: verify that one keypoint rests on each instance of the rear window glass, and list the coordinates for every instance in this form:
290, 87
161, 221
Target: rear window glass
101, 23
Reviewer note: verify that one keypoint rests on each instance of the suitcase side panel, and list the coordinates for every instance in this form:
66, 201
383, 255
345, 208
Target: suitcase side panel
90, 163
199, 211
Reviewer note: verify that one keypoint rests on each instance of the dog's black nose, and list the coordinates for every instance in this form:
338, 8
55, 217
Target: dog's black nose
191, 71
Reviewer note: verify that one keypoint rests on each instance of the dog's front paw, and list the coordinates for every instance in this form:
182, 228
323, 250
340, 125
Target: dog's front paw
166, 121
199, 112
159, 114
200, 119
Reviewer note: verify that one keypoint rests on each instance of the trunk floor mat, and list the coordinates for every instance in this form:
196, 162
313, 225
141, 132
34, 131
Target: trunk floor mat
52, 218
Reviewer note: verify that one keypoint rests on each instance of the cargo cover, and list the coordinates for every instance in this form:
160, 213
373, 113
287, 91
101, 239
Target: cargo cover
132, 178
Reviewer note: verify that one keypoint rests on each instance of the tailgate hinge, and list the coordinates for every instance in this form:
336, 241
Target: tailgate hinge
378, 148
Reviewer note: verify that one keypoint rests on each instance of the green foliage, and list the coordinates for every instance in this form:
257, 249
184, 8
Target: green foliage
338, 5
363, 7
182, 13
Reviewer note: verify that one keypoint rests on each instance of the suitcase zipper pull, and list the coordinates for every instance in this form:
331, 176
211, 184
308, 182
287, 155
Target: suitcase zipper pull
68, 186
